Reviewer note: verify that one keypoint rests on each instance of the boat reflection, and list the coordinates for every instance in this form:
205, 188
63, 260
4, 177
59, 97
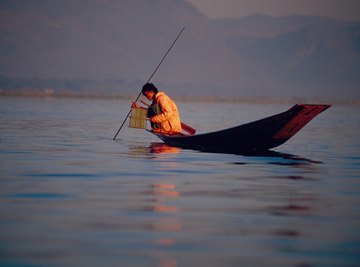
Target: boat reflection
280, 158
163, 148
264, 154
290, 159
154, 148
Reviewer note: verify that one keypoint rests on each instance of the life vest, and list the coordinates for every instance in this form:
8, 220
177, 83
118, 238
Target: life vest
167, 119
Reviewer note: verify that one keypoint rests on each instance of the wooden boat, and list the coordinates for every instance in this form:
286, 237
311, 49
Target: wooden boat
260, 135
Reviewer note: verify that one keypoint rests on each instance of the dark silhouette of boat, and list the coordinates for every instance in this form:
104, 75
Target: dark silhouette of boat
260, 135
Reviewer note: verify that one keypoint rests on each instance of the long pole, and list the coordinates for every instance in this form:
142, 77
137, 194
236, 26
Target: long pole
167, 52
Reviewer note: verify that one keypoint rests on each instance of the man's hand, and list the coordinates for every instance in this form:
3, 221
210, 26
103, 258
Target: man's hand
134, 105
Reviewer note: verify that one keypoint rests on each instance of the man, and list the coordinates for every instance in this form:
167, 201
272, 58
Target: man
163, 113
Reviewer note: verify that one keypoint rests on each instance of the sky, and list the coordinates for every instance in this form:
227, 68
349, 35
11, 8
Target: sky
337, 9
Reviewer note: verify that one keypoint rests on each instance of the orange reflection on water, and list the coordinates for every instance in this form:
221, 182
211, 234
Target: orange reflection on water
168, 263
169, 224
163, 192
165, 260
164, 208
163, 148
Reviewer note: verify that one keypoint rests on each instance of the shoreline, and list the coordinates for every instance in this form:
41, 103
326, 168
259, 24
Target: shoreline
50, 94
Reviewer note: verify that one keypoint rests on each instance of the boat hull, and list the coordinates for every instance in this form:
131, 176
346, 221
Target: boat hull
259, 135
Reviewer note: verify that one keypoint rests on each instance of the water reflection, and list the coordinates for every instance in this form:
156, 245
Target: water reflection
162, 193
151, 150
167, 222
163, 148
291, 209
272, 157
137, 150
156, 147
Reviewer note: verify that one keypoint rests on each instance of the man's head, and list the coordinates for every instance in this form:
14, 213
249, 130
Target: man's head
149, 90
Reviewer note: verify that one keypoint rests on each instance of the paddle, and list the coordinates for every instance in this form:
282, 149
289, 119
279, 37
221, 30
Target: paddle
188, 129
167, 52
184, 126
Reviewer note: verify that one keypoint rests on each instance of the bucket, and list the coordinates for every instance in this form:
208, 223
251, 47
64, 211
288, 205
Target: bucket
138, 118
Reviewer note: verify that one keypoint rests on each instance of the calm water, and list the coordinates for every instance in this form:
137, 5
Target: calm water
70, 196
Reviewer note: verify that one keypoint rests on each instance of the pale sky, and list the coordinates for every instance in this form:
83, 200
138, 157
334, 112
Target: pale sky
338, 9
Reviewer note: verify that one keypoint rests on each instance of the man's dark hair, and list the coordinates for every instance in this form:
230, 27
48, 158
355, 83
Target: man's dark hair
149, 87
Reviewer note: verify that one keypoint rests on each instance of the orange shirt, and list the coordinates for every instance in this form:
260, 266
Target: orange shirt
168, 118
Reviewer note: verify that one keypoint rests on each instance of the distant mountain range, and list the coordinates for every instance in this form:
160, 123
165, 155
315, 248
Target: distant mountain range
113, 46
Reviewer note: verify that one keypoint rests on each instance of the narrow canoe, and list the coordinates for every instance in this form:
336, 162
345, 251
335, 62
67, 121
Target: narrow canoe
259, 135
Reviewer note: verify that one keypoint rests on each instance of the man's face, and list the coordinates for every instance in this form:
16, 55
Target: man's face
149, 95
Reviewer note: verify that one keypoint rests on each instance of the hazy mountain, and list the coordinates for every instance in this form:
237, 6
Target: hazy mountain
313, 55
90, 38
260, 26
114, 45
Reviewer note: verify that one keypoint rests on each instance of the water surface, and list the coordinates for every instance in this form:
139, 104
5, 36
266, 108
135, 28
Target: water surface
71, 196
